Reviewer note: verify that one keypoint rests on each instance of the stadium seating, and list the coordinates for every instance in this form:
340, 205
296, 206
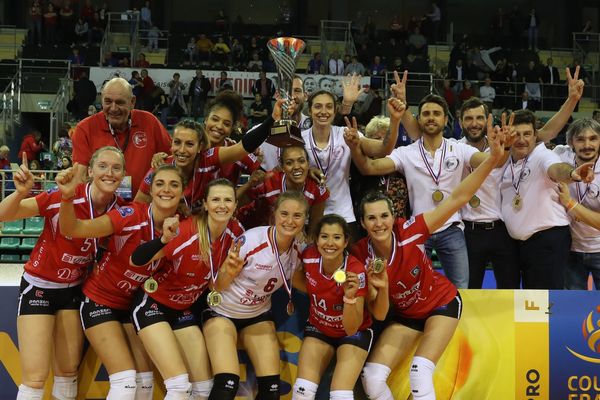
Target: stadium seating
12, 227
28, 243
9, 243
34, 226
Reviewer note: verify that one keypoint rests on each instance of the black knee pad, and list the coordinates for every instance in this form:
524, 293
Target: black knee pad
225, 387
268, 387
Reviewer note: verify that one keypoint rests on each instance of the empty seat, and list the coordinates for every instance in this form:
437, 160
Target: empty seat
10, 257
28, 243
9, 243
12, 227
34, 225
25, 257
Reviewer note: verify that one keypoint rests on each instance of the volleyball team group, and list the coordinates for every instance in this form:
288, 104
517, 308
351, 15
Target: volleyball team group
174, 281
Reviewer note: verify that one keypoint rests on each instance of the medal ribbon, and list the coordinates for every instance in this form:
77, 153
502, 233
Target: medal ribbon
434, 176
88, 194
314, 153
372, 251
214, 274
151, 219
114, 135
580, 196
512, 172
342, 267
286, 284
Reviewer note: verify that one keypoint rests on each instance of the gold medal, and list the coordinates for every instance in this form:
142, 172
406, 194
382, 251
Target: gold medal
339, 276
474, 202
214, 298
150, 286
517, 202
290, 308
437, 196
378, 265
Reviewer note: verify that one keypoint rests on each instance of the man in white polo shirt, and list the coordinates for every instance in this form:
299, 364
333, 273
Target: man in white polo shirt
583, 138
433, 167
530, 207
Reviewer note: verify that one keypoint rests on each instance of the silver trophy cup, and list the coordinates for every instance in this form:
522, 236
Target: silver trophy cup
285, 51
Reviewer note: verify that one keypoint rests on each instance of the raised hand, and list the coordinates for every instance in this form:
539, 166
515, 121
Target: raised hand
398, 88
170, 228
583, 173
317, 175
257, 177
574, 84
67, 182
23, 178
396, 108
233, 263
350, 285
352, 88
380, 280
351, 133
280, 105
158, 159
564, 196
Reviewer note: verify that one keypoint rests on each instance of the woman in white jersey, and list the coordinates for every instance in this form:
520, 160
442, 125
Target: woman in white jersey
269, 255
48, 324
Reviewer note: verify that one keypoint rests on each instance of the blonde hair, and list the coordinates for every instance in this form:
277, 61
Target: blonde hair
201, 218
377, 123
4, 149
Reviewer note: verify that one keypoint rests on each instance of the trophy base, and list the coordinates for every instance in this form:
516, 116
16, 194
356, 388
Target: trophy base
285, 135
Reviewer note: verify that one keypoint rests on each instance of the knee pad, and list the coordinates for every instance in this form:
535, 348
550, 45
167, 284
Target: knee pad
341, 395
144, 385
304, 390
29, 393
374, 379
65, 387
268, 387
421, 378
178, 387
122, 385
225, 387
201, 390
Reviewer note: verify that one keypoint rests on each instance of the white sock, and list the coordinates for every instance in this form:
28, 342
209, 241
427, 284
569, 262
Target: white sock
29, 393
144, 382
374, 379
304, 389
341, 395
178, 387
122, 385
65, 387
421, 378
201, 390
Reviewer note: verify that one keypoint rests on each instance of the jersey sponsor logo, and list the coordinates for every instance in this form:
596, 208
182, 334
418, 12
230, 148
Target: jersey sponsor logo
311, 281
125, 211
195, 257
71, 259
264, 267
39, 293
52, 190
125, 285
140, 140
210, 152
255, 300
408, 222
362, 280
525, 174
338, 307
322, 189
451, 164
148, 179
186, 298
415, 271
134, 276
69, 274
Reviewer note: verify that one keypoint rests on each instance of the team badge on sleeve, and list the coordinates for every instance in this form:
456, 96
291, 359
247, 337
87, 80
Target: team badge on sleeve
125, 211
240, 240
362, 280
210, 151
408, 222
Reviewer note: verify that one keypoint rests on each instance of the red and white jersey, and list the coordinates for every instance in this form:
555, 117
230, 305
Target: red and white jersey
259, 211
56, 260
232, 171
181, 285
249, 294
114, 281
415, 288
326, 296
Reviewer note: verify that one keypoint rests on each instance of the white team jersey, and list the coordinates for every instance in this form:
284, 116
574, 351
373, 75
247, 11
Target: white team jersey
335, 160
585, 238
249, 294
271, 153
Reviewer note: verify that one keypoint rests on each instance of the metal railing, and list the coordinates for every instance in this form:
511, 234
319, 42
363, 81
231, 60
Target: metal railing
41, 75
336, 31
145, 42
15, 46
43, 180
121, 34
58, 109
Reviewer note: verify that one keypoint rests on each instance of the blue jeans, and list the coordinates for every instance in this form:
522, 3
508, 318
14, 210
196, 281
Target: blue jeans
451, 249
579, 267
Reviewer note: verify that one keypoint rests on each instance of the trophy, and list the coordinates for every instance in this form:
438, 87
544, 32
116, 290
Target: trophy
285, 51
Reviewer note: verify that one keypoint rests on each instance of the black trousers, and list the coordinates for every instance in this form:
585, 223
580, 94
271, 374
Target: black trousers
544, 257
489, 242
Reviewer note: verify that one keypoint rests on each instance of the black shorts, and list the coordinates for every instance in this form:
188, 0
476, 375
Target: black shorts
453, 310
93, 314
239, 323
34, 300
361, 339
147, 311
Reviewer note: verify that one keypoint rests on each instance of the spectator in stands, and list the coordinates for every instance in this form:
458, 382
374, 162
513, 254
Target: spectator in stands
32, 145
315, 65
97, 28
190, 50
82, 32
176, 88
225, 82
583, 75
85, 94
237, 53
354, 67
254, 47
457, 74
525, 103
63, 146
146, 16
467, 91
435, 17
50, 23
87, 11
487, 93
162, 108
416, 64
551, 79
64, 162
103, 14
377, 71
533, 79
124, 62
397, 30
137, 87
4, 160
596, 115
35, 23
221, 21
255, 64
221, 51
75, 58
147, 95
417, 43
336, 64
67, 22
533, 24
258, 110
138, 133
141, 61
449, 96
265, 87
204, 48
110, 60
153, 36
198, 94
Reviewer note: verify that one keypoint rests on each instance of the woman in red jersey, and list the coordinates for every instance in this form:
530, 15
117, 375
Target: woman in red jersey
50, 292
292, 176
197, 247
424, 304
105, 310
339, 322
